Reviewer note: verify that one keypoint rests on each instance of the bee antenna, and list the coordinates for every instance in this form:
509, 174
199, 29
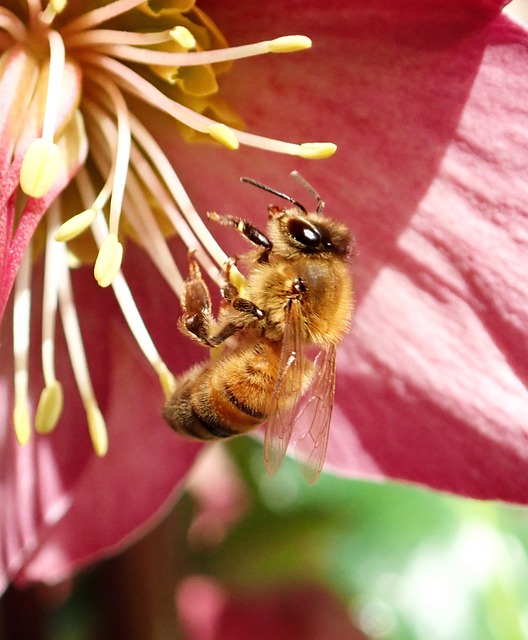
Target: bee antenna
275, 192
303, 182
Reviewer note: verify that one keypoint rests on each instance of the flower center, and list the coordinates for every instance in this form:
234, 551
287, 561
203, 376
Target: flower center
70, 141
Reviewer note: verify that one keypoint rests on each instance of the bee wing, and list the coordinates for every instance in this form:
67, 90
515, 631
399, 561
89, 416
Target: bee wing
316, 414
283, 406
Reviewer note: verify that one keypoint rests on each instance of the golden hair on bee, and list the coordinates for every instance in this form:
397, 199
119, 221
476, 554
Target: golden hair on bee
297, 299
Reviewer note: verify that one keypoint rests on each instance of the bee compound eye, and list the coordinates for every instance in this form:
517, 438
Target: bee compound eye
304, 233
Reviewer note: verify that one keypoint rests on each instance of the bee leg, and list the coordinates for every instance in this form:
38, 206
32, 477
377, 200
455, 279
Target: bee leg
248, 230
196, 303
227, 330
197, 318
231, 295
247, 307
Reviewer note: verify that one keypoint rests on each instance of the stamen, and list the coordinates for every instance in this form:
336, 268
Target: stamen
125, 299
41, 162
182, 36
101, 14
138, 86
177, 191
108, 260
139, 212
308, 150
134, 320
49, 409
10, 23
75, 225
21, 330
122, 157
51, 399
80, 222
97, 429
104, 36
21, 420
150, 156
17, 86
111, 252
317, 150
284, 44
139, 208
223, 134
40, 167
236, 278
34, 10
56, 71
53, 8
77, 353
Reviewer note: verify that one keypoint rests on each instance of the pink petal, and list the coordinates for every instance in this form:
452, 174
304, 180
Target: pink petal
209, 612
73, 146
61, 507
426, 101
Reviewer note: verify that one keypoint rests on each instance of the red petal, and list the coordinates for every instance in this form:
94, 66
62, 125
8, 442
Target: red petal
427, 103
61, 506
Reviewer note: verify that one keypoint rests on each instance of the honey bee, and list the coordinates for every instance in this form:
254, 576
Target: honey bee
297, 299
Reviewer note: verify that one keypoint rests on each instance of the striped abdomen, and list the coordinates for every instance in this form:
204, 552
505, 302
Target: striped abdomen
225, 398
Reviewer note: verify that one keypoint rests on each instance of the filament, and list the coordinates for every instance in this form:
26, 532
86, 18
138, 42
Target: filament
21, 333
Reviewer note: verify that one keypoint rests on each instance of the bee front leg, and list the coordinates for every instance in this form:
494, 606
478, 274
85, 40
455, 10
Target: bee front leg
197, 317
248, 230
196, 304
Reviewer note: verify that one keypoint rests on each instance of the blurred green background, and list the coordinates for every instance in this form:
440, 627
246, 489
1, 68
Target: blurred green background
403, 563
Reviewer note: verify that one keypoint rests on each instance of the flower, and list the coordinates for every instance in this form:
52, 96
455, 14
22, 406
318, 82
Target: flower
426, 102
75, 141
431, 124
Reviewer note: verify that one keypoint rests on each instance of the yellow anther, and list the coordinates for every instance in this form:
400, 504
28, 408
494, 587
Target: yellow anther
237, 279
285, 44
72, 261
108, 260
75, 225
49, 407
167, 380
183, 37
223, 134
22, 422
53, 8
39, 167
317, 150
97, 429
58, 6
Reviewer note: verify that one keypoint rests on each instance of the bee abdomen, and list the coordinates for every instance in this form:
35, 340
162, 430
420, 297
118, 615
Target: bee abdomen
242, 406
213, 402
188, 413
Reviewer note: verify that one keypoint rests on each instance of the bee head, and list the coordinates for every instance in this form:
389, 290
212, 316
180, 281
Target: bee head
297, 231
293, 231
